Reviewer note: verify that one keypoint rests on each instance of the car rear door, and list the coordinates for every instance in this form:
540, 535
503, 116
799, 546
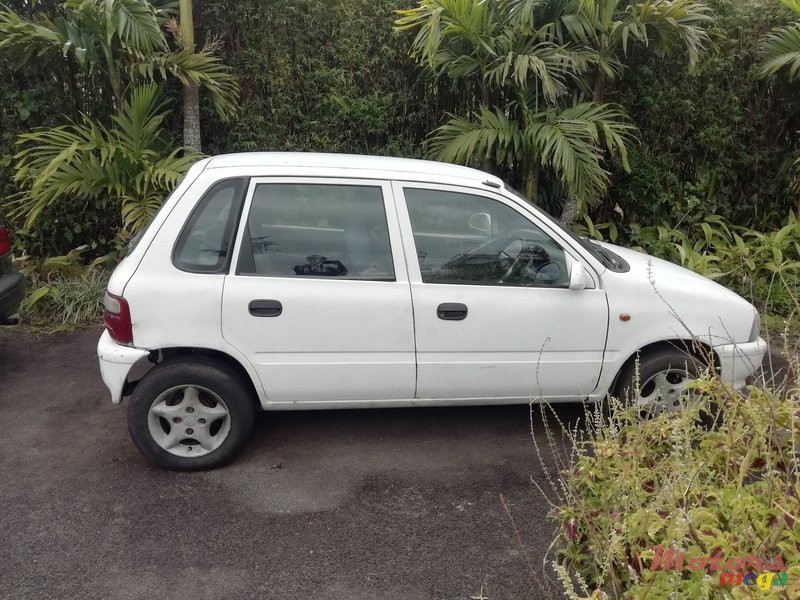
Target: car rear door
319, 299
487, 327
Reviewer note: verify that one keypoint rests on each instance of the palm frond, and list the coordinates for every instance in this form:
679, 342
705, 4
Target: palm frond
612, 125
569, 147
522, 13
203, 68
130, 163
532, 61
53, 163
137, 25
793, 5
780, 49
138, 124
464, 27
134, 23
664, 25
487, 134
26, 42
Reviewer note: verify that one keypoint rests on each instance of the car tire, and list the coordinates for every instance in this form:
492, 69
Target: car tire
190, 413
662, 375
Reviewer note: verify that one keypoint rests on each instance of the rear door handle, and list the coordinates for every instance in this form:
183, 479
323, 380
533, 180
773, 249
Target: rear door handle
265, 308
452, 311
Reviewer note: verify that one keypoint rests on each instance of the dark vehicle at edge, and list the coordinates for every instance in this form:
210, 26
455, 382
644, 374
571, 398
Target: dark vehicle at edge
12, 286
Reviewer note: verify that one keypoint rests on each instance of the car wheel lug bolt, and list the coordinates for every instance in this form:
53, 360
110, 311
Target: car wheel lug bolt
190, 431
201, 421
176, 420
189, 409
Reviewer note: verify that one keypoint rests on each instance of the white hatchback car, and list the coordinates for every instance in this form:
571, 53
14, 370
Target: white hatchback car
301, 281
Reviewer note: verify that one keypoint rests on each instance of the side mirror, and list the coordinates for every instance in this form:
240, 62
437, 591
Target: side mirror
577, 276
481, 222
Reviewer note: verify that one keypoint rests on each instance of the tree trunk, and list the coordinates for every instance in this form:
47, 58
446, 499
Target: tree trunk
599, 91
116, 81
191, 117
569, 214
532, 183
191, 94
487, 161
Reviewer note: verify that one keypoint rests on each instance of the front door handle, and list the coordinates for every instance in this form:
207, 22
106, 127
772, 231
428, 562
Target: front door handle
265, 308
452, 311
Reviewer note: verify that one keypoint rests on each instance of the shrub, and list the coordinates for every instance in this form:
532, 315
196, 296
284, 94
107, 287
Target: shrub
632, 485
63, 291
68, 300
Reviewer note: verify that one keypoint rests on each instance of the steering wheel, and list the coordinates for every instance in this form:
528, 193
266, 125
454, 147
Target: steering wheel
526, 252
551, 278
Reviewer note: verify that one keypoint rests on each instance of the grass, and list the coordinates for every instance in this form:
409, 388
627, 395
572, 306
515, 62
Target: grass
67, 300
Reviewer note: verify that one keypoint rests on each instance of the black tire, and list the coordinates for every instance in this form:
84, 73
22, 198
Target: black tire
650, 364
195, 371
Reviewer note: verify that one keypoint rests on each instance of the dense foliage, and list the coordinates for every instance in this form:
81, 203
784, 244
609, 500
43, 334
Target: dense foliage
321, 76
718, 139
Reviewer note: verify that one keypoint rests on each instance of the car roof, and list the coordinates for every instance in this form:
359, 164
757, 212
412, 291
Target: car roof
293, 161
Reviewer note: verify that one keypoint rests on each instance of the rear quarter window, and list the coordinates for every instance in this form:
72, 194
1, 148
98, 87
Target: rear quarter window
206, 241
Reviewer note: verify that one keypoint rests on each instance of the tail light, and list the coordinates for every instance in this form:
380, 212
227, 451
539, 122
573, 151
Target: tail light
117, 318
5, 241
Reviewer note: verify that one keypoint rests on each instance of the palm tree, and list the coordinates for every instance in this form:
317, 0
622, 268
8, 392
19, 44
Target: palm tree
116, 44
781, 48
567, 141
611, 27
133, 163
468, 40
529, 71
120, 49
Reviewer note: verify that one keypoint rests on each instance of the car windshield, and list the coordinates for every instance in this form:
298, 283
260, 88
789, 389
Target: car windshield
605, 256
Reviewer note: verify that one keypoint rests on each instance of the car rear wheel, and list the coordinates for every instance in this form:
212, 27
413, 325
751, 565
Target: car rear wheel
661, 384
190, 414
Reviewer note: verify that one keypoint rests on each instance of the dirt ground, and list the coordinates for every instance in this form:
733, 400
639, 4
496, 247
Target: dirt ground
394, 503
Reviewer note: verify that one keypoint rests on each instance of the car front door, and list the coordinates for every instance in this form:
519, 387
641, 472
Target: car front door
494, 316
319, 299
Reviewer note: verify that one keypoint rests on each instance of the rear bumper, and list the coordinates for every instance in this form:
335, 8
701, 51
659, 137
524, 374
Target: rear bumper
738, 361
12, 291
115, 364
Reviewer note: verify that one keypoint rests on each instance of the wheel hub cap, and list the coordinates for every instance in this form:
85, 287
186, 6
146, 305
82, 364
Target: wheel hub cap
662, 392
189, 420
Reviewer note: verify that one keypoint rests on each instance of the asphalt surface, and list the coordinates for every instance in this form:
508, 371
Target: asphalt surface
367, 504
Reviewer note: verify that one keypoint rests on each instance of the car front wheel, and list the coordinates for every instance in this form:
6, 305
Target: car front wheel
661, 381
190, 413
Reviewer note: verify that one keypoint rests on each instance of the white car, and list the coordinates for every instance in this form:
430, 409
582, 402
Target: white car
272, 281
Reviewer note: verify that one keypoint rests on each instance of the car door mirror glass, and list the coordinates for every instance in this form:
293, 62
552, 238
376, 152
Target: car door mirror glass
481, 222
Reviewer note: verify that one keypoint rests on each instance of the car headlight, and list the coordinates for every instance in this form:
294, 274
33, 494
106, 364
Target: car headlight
756, 329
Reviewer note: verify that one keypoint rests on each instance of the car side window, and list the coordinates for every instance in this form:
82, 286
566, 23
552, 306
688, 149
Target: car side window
470, 239
317, 230
207, 238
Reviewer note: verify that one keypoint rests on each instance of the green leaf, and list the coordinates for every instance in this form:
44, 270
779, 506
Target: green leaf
34, 297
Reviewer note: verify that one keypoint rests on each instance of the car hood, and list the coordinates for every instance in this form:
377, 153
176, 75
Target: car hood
694, 301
